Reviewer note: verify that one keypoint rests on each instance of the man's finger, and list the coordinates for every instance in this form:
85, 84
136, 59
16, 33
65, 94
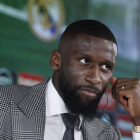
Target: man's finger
113, 80
126, 84
120, 80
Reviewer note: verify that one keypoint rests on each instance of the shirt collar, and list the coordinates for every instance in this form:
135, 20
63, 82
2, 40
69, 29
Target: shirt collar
54, 103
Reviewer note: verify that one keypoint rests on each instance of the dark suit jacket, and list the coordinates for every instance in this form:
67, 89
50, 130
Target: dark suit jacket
22, 116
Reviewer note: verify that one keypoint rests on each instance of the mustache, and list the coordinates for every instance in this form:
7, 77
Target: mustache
92, 87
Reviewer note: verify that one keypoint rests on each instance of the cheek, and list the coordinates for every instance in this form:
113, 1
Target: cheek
74, 73
106, 78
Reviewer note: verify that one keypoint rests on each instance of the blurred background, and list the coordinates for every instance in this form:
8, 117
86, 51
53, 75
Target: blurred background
31, 29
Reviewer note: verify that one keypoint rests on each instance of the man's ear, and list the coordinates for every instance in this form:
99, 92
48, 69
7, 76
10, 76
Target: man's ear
55, 60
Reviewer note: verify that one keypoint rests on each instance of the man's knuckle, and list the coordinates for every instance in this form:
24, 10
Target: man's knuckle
137, 82
136, 79
118, 80
135, 86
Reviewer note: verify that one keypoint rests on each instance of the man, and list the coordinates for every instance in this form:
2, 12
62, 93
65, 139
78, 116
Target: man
83, 66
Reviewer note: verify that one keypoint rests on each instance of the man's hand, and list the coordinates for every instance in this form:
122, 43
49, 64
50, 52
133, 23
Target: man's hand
129, 97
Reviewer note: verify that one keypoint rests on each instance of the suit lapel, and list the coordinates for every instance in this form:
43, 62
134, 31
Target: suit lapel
28, 112
28, 115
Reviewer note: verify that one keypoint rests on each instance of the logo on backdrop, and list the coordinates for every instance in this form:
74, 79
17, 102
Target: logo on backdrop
46, 18
6, 77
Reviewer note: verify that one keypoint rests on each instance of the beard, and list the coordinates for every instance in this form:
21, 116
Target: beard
73, 101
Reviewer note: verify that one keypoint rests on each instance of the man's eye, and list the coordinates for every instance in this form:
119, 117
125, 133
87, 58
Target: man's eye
84, 60
106, 67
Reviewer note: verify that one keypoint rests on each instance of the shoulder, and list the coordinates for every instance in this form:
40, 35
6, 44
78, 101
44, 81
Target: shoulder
8, 92
103, 128
98, 122
14, 91
101, 123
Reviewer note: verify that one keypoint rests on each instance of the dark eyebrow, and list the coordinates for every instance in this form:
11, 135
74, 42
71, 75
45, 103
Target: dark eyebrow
83, 54
109, 62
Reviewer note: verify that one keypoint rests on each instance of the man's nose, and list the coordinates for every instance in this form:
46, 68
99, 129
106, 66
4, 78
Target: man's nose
93, 76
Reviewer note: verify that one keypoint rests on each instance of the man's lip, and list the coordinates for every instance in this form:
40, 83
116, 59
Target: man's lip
89, 90
88, 93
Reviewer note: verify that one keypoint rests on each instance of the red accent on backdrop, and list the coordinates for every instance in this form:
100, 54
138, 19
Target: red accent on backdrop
124, 124
29, 79
112, 104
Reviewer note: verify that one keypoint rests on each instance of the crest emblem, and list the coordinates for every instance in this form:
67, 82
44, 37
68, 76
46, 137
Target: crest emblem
46, 18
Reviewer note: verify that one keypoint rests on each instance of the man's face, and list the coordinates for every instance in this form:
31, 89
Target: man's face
87, 64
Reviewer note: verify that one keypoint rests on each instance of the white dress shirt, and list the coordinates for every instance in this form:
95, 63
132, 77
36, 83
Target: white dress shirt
136, 136
54, 126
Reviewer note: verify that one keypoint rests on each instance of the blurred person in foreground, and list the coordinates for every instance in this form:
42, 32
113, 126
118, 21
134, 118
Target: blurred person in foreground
83, 65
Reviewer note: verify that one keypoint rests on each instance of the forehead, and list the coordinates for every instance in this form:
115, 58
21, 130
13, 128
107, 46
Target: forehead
91, 44
87, 42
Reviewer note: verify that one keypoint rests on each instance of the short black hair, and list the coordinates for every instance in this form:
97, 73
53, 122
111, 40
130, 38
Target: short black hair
89, 27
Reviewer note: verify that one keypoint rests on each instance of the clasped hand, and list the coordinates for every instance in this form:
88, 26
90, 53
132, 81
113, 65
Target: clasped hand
126, 91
